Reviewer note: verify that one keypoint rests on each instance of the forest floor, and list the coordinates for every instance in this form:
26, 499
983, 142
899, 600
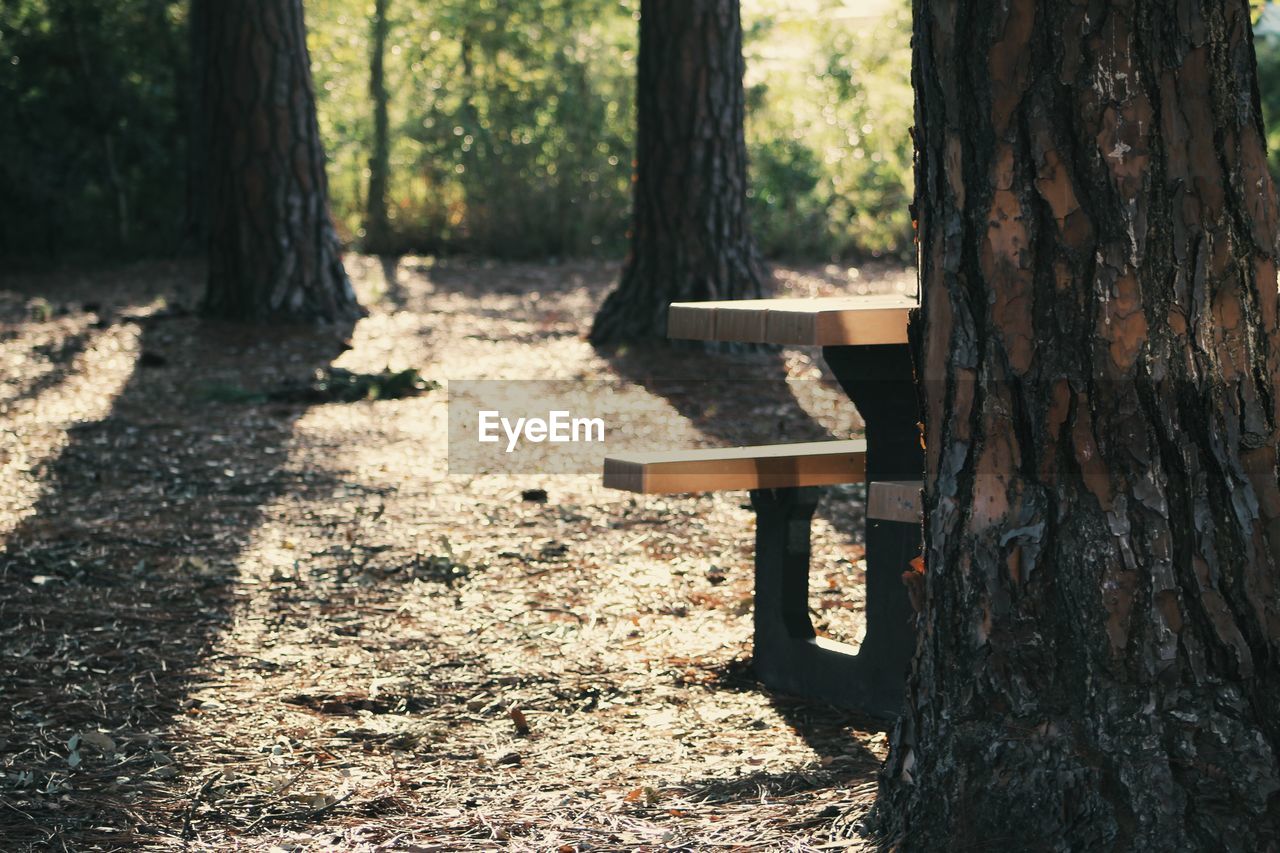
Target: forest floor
233, 620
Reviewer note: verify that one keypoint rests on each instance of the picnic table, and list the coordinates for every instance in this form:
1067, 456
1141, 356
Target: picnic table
864, 343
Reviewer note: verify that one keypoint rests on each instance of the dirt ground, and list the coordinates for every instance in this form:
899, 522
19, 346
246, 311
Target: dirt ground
235, 622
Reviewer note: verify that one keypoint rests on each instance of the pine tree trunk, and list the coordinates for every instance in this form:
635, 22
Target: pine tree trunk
1099, 662
689, 238
273, 251
376, 236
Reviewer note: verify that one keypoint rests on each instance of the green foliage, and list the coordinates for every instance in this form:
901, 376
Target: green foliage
327, 385
92, 126
227, 393
337, 385
1268, 52
511, 122
512, 125
829, 136
40, 309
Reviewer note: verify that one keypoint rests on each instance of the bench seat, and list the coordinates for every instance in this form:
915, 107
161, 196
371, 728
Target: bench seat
772, 466
783, 480
769, 466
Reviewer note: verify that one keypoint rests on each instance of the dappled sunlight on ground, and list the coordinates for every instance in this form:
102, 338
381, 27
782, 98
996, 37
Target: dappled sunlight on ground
54, 372
387, 654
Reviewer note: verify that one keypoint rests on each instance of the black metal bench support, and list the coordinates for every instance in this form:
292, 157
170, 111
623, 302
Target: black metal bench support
788, 656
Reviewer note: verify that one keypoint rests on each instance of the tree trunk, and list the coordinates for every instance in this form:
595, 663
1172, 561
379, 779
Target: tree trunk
689, 237
273, 251
1099, 657
376, 229
102, 115
195, 225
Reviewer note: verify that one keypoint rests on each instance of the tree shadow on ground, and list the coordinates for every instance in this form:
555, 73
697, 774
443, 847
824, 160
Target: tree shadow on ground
393, 286
825, 729
61, 358
734, 397
807, 804
116, 587
852, 770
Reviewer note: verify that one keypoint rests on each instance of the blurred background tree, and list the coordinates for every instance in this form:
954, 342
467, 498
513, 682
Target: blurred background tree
377, 228
273, 254
690, 232
94, 101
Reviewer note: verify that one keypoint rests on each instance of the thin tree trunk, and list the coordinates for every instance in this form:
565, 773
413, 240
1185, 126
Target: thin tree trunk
195, 225
377, 236
690, 238
475, 182
1099, 658
273, 251
102, 120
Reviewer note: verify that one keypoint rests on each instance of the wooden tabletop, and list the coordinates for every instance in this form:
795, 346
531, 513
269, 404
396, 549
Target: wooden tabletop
831, 321
773, 466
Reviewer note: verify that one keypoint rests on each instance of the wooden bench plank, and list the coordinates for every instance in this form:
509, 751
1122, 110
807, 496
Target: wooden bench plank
828, 321
897, 500
779, 466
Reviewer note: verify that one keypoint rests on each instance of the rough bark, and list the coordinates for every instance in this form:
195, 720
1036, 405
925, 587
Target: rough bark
1099, 657
273, 251
376, 228
689, 235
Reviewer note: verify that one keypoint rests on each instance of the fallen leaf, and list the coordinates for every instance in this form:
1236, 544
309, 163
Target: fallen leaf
646, 794
100, 741
518, 717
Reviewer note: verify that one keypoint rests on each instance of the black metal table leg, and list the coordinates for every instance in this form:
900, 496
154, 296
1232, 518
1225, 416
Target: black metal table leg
788, 656
880, 382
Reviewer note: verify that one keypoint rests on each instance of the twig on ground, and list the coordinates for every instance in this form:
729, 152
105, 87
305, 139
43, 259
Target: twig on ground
309, 813
187, 833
